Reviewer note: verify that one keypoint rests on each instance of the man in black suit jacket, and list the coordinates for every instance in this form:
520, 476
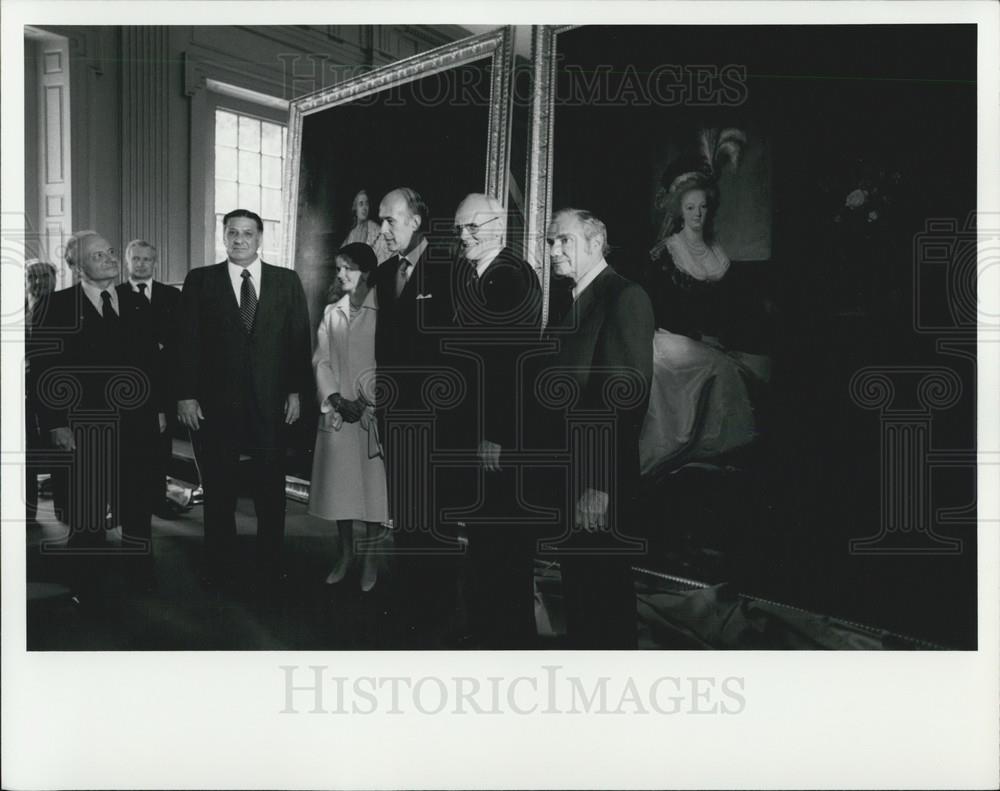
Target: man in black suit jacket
591, 397
155, 307
413, 287
414, 295
39, 283
241, 368
497, 313
98, 402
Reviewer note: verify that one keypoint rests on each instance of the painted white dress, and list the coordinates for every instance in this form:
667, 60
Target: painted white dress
348, 476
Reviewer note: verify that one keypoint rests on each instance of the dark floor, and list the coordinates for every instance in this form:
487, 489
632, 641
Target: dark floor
180, 613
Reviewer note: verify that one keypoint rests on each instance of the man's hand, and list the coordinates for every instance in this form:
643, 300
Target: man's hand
189, 413
62, 438
162, 418
291, 408
489, 455
592, 511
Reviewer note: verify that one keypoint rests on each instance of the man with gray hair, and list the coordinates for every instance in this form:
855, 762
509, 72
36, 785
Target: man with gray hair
98, 404
591, 395
154, 306
497, 300
413, 287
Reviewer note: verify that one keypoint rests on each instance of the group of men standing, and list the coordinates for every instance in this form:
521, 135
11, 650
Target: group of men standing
97, 380
553, 419
547, 422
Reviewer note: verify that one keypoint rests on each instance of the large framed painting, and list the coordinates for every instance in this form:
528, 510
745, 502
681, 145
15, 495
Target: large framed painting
808, 154
438, 122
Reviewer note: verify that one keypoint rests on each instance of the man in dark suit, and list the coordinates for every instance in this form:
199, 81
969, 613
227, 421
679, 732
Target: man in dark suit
413, 287
98, 402
39, 283
497, 313
414, 293
591, 397
241, 368
154, 305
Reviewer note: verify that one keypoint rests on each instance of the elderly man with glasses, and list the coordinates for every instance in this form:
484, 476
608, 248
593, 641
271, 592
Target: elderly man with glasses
497, 315
98, 404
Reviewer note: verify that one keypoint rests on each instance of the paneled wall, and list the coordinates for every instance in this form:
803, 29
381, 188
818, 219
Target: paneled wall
139, 99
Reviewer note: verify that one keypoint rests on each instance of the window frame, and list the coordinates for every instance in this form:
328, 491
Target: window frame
203, 169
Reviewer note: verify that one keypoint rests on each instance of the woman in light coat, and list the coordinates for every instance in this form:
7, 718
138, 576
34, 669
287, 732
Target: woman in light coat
348, 476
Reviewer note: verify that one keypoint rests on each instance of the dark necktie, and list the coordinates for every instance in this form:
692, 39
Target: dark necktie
107, 311
142, 291
404, 266
248, 301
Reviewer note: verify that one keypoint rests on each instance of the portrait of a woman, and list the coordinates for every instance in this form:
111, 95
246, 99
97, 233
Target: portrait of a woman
688, 278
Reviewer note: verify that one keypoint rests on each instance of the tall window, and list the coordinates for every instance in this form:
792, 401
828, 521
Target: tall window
249, 157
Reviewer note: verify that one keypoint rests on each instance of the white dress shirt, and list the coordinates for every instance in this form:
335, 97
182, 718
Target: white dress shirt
94, 295
486, 260
588, 278
149, 287
412, 257
236, 277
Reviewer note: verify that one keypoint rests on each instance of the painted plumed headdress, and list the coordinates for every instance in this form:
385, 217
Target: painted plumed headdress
714, 150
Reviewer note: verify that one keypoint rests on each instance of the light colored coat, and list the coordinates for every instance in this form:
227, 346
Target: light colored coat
348, 476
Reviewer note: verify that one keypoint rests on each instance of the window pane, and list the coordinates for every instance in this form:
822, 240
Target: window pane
225, 197
225, 128
270, 204
220, 247
249, 134
225, 163
249, 156
270, 172
249, 168
270, 141
250, 197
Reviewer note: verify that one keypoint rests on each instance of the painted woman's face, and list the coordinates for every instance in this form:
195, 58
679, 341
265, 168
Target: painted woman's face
694, 209
348, 275
361, 206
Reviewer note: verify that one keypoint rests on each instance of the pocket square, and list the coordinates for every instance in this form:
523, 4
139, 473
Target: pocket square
424, 296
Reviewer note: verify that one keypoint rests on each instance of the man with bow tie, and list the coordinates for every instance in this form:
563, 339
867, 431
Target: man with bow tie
413, 287
497, 314
243, 363
589, 399
98, 402
154, 305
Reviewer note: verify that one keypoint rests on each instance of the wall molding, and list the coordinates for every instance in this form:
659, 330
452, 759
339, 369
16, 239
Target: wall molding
201, 64
144, 152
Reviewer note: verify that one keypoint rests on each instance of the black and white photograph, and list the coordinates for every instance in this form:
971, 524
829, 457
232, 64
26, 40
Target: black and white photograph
383, 366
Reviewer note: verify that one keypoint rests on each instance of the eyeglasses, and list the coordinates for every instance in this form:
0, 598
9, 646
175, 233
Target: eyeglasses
473, 228
102, 255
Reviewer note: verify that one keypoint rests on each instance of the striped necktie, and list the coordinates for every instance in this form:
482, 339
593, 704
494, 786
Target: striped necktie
404, 266
248, 301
